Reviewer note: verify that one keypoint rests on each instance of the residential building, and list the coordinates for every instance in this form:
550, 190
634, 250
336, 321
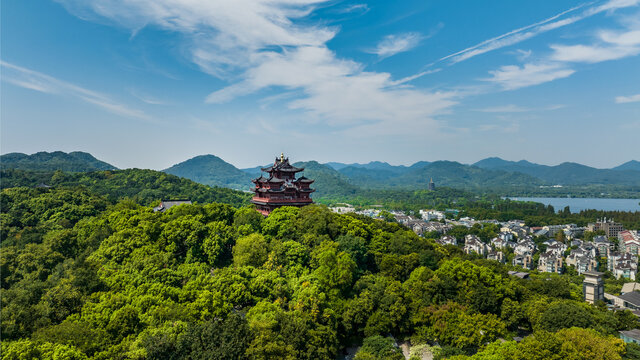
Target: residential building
611, 228
556, 247
583, 260
523, 261
432, 215
550, 262
501, 243
343, 209
629, 241
496, 256
472, 244
552, 230
525, 247
623, 265
506, 236
629, 287
630, 300
602, 245
630, 336
447, 240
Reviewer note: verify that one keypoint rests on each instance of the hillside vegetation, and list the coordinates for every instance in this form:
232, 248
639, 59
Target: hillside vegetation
142, 186
76, 161
213, 171
87, 278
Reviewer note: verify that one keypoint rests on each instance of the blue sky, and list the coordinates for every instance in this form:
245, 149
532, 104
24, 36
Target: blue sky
149, 83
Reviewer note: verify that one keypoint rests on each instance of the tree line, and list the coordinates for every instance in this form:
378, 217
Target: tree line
85, 276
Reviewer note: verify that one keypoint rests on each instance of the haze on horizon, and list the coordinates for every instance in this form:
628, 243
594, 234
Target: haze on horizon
151, 83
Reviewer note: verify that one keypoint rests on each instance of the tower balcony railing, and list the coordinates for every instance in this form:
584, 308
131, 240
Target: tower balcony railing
282, 200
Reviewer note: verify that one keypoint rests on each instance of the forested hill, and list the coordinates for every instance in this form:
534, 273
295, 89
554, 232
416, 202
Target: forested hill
327, 181
629, 165
213, 171
84, 279
445, 173
142, 186
75, 161
568, 173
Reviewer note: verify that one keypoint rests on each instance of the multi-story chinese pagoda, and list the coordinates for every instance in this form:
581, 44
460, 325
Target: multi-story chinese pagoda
281, 188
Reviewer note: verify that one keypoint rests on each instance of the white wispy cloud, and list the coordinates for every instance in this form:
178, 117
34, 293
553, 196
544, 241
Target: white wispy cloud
513, 77
394, 44
610, 45
223, 35
627, 99
33, 80
146, 98
354, 8
259, 44
605, 46
527, 32
339, 91
511, 108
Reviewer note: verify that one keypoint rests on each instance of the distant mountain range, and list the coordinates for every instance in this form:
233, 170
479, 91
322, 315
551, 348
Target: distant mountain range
568, 173
629, 165
493, 174
76, 161
213, 171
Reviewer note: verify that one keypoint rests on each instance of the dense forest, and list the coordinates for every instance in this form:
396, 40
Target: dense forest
148, 186
89, 272
75, 161
141, 186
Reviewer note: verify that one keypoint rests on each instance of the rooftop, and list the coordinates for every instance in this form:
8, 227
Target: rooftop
631, 297
629, 287
282, 164
634, 334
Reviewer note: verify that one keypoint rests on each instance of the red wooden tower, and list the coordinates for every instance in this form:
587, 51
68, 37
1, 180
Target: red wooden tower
281, 188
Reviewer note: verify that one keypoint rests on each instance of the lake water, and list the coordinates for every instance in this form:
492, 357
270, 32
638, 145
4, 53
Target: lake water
577, 204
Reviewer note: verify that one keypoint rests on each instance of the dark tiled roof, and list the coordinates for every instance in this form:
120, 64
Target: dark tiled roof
282, 164
634, 334
631, 297
166, 204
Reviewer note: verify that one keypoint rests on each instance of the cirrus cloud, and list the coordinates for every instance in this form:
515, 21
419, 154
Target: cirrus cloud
627, 99
511, 77
258, 44
395, 44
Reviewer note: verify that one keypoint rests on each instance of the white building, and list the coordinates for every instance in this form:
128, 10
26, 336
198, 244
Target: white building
550, 262
525, 247
623, 265
432, 215
524, 261
447, 240
472, 244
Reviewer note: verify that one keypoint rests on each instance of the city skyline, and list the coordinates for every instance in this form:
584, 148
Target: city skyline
152, 83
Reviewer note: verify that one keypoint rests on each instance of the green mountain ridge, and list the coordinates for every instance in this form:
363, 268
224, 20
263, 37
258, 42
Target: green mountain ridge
327, 180
629, 165
489, 175
567, 173
140, 185
75, 161
213, 171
